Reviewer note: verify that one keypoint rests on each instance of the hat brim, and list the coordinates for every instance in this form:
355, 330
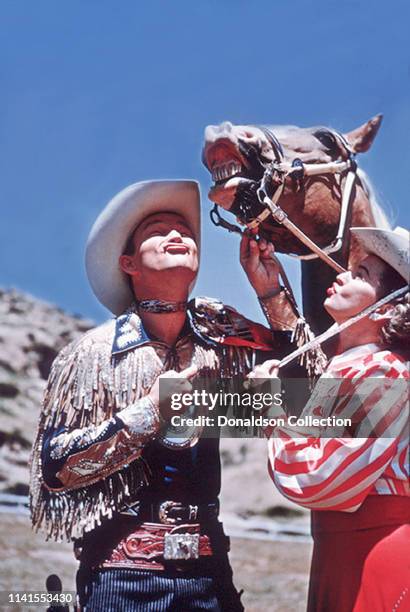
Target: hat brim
114, 226
392, 246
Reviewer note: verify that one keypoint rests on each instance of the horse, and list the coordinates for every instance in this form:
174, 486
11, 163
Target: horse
281, 176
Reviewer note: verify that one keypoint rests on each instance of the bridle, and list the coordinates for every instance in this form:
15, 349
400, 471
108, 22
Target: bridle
276, 173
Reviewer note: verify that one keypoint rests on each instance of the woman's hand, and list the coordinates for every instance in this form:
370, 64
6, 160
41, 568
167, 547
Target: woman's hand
260, 267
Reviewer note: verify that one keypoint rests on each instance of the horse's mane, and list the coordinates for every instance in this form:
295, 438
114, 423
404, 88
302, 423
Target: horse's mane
381, 218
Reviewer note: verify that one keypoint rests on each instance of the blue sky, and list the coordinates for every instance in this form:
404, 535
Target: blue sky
97, 95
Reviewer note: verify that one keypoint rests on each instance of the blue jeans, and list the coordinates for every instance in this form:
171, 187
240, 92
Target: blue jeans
123, 590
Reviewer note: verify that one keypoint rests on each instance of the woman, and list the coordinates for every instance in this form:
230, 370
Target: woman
357, 484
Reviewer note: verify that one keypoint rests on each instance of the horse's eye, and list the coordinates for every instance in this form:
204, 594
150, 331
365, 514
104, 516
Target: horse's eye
328, 140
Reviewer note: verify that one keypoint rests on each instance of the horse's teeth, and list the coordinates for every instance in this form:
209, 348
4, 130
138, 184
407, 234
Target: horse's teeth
224, 171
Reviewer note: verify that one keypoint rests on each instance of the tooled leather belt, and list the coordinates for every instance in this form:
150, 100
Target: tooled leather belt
172, 512
153, 536
154, 546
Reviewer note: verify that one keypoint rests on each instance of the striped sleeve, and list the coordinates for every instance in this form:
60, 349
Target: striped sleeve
338, 473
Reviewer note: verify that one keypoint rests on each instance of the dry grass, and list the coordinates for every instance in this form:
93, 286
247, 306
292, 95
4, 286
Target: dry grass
273, 575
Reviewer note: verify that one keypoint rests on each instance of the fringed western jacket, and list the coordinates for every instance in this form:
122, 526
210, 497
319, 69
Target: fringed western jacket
87, 463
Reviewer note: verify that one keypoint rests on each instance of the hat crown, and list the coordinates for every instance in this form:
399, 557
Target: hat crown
391, 245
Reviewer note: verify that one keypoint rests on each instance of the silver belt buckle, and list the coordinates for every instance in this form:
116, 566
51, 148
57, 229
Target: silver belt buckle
181, 546
165, 507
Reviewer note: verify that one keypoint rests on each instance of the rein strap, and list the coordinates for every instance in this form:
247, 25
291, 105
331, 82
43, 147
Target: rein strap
336, 329
281, 217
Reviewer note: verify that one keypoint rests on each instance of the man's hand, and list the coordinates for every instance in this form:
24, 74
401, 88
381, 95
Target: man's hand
180, 384
260, 267
267, 369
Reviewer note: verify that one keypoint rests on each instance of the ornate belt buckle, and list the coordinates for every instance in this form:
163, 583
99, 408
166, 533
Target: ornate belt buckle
163, 511
181, 546
166, 506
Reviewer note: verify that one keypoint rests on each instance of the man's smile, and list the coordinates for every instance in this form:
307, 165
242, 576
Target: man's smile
176, 248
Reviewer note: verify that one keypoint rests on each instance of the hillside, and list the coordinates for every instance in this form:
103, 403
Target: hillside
31, 334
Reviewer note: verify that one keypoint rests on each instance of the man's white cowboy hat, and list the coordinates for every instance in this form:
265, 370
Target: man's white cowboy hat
115, 224
393, 246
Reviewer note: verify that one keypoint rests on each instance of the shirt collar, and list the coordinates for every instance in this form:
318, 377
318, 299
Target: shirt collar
370, 347
207, 319
352, 354
130, 333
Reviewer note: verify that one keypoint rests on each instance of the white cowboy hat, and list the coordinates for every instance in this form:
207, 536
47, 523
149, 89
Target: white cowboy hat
393, 246
115, 224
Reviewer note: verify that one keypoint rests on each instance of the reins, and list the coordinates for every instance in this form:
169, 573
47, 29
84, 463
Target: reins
337, 329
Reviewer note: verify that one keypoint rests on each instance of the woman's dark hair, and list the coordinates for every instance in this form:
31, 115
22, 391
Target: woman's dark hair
396, 332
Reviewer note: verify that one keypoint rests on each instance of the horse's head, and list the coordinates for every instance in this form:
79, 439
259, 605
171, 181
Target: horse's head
238, 155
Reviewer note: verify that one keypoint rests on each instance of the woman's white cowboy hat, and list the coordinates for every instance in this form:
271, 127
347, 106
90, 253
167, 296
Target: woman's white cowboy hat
393, 246
115, 224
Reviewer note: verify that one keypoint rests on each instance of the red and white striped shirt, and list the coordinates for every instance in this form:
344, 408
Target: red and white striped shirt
338, 473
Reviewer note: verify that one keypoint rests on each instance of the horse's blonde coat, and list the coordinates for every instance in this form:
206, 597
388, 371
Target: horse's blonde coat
379, 214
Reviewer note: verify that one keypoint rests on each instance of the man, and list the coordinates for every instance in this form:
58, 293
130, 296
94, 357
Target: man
142, 507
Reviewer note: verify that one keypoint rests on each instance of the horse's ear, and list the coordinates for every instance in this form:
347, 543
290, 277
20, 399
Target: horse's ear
361, 139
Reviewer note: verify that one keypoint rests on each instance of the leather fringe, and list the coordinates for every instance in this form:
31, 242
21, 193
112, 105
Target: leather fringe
87, 385
314, 360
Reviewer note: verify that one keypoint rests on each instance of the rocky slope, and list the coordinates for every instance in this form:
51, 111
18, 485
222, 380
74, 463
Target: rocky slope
31, 334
